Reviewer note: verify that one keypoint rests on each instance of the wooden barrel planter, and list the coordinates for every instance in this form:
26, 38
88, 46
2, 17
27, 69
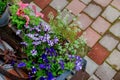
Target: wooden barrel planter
9, 41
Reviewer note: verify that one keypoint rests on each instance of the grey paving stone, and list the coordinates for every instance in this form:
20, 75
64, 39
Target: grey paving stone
105, 72
38, 9
93, 10
118, 46
114, 59
93, 77
111, 14
86, 1
90, 63
66, 13
58, 4
115, 29
108, 42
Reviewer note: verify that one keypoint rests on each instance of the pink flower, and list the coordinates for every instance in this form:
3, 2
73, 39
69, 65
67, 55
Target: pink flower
27, 19
20, 12
37, 14
22, 5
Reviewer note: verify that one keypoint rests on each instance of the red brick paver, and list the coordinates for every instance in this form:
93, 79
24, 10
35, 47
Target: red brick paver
42, 3
46, 11
98, 54
116, 3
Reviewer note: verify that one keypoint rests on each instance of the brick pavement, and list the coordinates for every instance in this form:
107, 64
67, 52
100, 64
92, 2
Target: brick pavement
100, 25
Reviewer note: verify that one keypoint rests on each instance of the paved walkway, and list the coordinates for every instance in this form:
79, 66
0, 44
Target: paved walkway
100, 25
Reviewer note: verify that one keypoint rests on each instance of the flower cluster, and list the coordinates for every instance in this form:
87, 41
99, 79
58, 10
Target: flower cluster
44, 59
47, 54
21, 14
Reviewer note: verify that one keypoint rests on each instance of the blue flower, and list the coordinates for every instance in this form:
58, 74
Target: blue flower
50, 76
61, 64
42, 66
34, 70
12, 63
44, 56
42, 78
22, 64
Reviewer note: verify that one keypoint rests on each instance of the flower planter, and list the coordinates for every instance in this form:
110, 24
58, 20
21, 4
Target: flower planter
4, 19
68, 73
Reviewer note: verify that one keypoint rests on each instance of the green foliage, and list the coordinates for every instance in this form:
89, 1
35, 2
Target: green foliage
40, 73
77, 47
69, 65
61, 26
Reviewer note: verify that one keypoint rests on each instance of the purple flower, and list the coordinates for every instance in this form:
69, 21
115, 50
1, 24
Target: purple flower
42, 66
34, 52
47, 37
48, 66
61, 64
22, 64
46, 28
55, 40
78, 58
36, 43
30, 35
31, 29
24, 43
50, 76
71, 56
36, 35
29, 75
50, 43
18, 32
37, 28
52, 50
34, 70
78, 65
